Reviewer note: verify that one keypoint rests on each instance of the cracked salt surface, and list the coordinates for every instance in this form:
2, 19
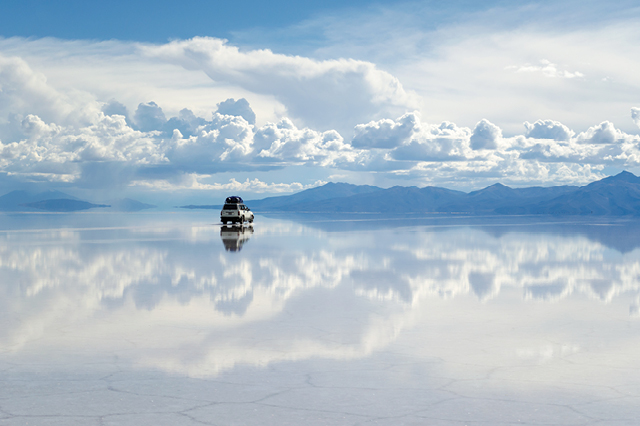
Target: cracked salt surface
148, 320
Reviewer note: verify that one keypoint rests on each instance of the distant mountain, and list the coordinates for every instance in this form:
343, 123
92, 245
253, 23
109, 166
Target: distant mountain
63, 205
56, 201
202, 207
129, 205
398, 199
615, 195
432, 199
496, 198
329, 191
16, 200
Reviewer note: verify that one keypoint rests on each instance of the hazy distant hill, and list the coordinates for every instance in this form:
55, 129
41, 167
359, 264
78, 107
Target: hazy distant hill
63, 205
56, 201
616, 195
16, 200
202, 207
129, 205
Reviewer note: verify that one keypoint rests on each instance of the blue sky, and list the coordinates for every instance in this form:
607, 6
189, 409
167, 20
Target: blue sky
187, 101
153, 21
163, 20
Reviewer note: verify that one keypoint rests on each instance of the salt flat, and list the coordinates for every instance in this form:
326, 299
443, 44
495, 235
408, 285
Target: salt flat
166, 319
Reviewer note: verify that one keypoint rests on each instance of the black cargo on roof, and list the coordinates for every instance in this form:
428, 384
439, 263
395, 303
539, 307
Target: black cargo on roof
233, 199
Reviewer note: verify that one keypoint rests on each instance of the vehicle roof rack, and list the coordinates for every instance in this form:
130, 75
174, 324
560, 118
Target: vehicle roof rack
234, 199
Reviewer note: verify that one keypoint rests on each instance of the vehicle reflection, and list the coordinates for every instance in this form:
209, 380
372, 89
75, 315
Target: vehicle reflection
235, 236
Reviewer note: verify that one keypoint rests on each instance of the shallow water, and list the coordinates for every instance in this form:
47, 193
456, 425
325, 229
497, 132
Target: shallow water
167, 319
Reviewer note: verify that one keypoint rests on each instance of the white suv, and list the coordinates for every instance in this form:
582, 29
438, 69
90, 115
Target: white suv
235, 211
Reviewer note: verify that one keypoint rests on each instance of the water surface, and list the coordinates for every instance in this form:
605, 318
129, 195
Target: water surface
154, 319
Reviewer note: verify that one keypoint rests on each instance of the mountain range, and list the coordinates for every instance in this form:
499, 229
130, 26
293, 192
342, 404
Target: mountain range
615, 195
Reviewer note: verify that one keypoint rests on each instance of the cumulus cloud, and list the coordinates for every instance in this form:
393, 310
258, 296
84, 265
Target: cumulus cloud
114, 107
408, 139
444, 142
548, 129
149, 116
54, 149
239, 108
110, 152
55, 135
186, 123
604, 133
635, 115
224, 139
283, 142
26, 92
385, 133
335, 94
110, 145
486, 135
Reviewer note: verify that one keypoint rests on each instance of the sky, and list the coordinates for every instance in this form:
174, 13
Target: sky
171, 102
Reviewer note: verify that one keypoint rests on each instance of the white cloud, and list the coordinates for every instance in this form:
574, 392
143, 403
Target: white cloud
55, 133
115, 70
149, 116
26, 92
225, 138
547, 69
444, 142
110, 152
386, 133
599, 145
443, 154
486, 135
338, 93
408, 139
458, 66
635, 115
604, 133
506, 168
283, 142
238, 107
194, 181
53, 149
548, 129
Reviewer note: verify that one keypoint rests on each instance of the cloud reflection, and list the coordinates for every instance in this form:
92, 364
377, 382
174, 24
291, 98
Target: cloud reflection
294, 293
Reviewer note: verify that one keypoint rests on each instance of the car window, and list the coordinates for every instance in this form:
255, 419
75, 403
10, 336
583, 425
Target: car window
230, 207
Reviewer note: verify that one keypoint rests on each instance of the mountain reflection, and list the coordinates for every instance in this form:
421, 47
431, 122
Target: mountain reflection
184, 277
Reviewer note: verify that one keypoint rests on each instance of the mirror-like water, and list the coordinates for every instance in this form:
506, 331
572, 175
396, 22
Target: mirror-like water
173, 319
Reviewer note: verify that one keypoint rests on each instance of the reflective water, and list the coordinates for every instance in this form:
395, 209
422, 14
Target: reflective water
171, 319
